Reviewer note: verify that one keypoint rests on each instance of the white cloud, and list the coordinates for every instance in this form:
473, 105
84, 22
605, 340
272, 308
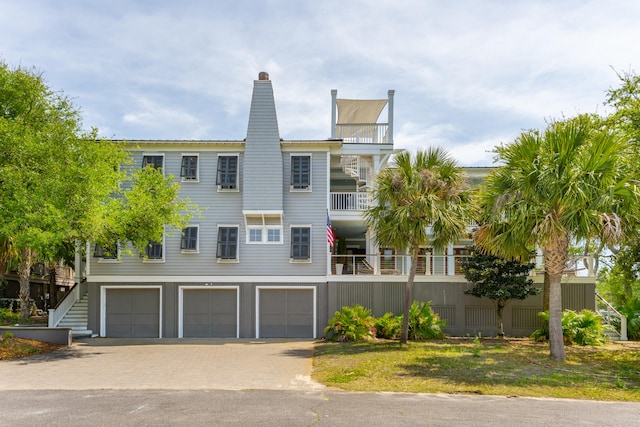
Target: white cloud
466, 73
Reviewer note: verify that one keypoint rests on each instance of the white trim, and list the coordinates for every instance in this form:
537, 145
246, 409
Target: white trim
215, 179
87, 260
153, 153
190, 251
309, 189
212, 279
315, 308
147, 260
101, 260
259, 216
229, 260
207, 286
301, 261
197, 178
103, 305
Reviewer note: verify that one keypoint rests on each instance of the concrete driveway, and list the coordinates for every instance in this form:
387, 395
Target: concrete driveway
171, 364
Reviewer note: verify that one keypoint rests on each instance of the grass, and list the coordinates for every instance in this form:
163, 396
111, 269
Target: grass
14, 348
513, 367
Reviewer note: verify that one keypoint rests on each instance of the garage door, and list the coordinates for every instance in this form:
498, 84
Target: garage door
210, 313
286, 313
132, 313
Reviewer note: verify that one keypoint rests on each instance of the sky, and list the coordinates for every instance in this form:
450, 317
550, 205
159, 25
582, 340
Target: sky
468, 75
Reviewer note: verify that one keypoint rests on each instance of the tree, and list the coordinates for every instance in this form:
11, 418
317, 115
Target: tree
60, 184
498, 279
568, 182
419, 201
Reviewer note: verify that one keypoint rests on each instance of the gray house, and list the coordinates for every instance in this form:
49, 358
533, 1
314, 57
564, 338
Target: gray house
259, 263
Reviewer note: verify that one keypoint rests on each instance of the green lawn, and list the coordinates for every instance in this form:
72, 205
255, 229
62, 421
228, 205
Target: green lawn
514, 367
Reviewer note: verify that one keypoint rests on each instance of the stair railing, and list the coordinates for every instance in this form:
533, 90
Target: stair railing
612, 317
63, 307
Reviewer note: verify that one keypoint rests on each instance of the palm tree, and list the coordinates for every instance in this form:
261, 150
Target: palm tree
419, 201
566, 183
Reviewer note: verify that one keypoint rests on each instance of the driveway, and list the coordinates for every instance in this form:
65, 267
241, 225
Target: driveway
170, 364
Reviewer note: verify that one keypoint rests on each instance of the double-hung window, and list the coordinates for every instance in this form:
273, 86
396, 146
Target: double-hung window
301, 244
153, 160
154, 251
227, 244
189, 168
189, 240
300, 172
227, 176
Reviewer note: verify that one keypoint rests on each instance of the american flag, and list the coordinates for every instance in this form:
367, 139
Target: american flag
331, 237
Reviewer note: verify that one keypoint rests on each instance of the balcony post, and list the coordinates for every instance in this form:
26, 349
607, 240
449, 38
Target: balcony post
334, 110
390, 121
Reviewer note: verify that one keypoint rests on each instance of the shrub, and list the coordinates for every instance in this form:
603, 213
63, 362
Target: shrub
352, 324
388, 326
8, 317
632, 311
583, 328
424, 324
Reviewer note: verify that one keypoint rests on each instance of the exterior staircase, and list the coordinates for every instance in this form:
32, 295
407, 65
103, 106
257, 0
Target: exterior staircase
615, 323
360, 169
77, 318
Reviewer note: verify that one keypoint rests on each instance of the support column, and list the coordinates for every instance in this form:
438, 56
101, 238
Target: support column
334, 112
390, 120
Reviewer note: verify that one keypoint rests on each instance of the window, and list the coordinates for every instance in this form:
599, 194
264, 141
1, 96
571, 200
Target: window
153, 160
189, 167
301, 173
301, 243
264, 227
227, 176
189, 240
153, 251
109, 252
255, 235
273, 235
227, 244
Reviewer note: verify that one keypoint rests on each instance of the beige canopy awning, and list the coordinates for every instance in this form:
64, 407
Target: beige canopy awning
356, 111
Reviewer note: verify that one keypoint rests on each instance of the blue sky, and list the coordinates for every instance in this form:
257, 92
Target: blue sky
468, 74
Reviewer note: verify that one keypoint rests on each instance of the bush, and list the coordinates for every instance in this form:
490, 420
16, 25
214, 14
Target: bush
352, 324
632, 312
8, 317
388, 326
424, 324
582, 328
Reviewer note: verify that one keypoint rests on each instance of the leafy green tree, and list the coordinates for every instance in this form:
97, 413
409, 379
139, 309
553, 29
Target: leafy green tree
419, 201
568, 182
60, 184
625, 100
498, 279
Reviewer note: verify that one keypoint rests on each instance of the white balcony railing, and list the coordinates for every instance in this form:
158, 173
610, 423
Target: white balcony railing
350, 201
428, 265
383, 264
375, 133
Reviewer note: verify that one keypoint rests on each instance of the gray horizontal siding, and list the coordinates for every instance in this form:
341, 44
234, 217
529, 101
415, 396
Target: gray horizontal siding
263, 161
226, 208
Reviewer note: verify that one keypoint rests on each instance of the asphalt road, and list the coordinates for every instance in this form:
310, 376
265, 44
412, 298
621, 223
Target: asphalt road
299, 408
107, 382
